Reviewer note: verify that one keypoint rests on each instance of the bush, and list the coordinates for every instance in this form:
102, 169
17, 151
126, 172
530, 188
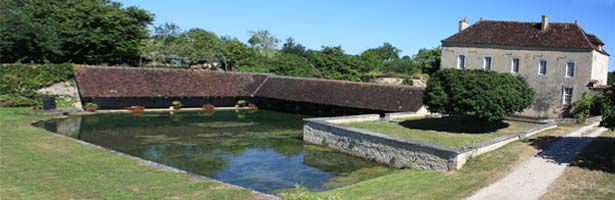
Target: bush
486, 95
582, 107
19, 82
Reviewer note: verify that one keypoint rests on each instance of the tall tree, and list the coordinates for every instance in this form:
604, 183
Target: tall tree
428, 60
292, 47
386, 52
88, 31
264, 41
198, 46
334, 63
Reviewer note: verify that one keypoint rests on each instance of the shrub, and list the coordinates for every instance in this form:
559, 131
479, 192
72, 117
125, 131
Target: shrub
486, 95
582, 107
19, 82
176, 104
242, 103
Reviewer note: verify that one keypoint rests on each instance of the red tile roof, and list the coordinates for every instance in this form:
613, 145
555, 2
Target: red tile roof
343, 93
525, 34
104, 82
150, 82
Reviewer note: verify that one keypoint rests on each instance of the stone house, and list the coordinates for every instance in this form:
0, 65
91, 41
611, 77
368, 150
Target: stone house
560, 61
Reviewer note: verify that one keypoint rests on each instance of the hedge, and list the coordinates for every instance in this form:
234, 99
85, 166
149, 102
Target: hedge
19, 82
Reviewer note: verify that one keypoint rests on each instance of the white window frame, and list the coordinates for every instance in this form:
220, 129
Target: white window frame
564, 96
546, 67
459, 66
574, 69
490, 63
512, 65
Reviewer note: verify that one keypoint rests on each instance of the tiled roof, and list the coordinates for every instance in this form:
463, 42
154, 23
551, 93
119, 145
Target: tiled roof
525, 34
143, 82
343, 93
102, 82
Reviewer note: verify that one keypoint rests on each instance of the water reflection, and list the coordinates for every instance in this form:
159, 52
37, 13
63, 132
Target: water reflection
261, 150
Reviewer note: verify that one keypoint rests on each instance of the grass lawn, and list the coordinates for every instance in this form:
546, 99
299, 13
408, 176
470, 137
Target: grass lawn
446, 131
36, 164
477, 173
591, 175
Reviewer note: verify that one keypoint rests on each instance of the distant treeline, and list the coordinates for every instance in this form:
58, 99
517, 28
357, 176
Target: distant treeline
102, 32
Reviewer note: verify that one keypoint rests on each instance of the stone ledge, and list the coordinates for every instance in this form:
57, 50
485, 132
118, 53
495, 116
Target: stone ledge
400, 152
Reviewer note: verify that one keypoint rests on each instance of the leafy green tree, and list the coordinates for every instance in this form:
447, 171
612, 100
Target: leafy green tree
333, 63
88, 31
386, 52
241, 55
403, 66
198, 46
486, 95
608, 110
264, 41
428, 60
292, 47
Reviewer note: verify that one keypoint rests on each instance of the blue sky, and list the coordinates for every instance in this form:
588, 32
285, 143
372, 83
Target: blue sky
358, 25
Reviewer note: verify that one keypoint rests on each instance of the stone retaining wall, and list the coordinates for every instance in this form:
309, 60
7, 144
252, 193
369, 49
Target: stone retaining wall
395, 151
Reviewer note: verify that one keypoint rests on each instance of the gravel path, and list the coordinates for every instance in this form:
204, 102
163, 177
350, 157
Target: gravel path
532, 178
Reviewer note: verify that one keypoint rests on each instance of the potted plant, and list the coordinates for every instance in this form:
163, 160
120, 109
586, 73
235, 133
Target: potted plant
208, 107
241, 103
91, 107
137, 109
176, 105
252, 106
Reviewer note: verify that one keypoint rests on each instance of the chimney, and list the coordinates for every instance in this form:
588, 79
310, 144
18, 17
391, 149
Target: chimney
544, 24
463, 24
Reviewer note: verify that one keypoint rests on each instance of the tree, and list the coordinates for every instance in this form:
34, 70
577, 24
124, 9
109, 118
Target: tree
428, 60
386, 52
608, 111
292, 47
403, 66
198, 46
333, 63
486, 95
90, 31
240, 55
264, 41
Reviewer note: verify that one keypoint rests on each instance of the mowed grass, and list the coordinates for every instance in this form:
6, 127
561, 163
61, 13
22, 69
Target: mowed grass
479, 172
446, 131
36, 164
591, 175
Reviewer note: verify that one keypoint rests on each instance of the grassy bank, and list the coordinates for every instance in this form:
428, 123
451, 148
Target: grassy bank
477, 173
591, 175
447, 131
36, 164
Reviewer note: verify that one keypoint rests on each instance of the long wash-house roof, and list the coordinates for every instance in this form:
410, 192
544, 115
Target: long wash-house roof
119, 82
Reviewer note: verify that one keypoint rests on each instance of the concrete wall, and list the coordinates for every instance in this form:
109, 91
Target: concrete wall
548, 99
400, 152
395, 152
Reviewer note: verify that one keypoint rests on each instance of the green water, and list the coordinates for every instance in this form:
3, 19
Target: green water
261, 150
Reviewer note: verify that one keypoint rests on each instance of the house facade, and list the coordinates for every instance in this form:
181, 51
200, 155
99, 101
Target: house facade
560, 61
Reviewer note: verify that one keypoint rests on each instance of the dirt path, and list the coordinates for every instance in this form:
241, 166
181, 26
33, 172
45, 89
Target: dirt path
532, 178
